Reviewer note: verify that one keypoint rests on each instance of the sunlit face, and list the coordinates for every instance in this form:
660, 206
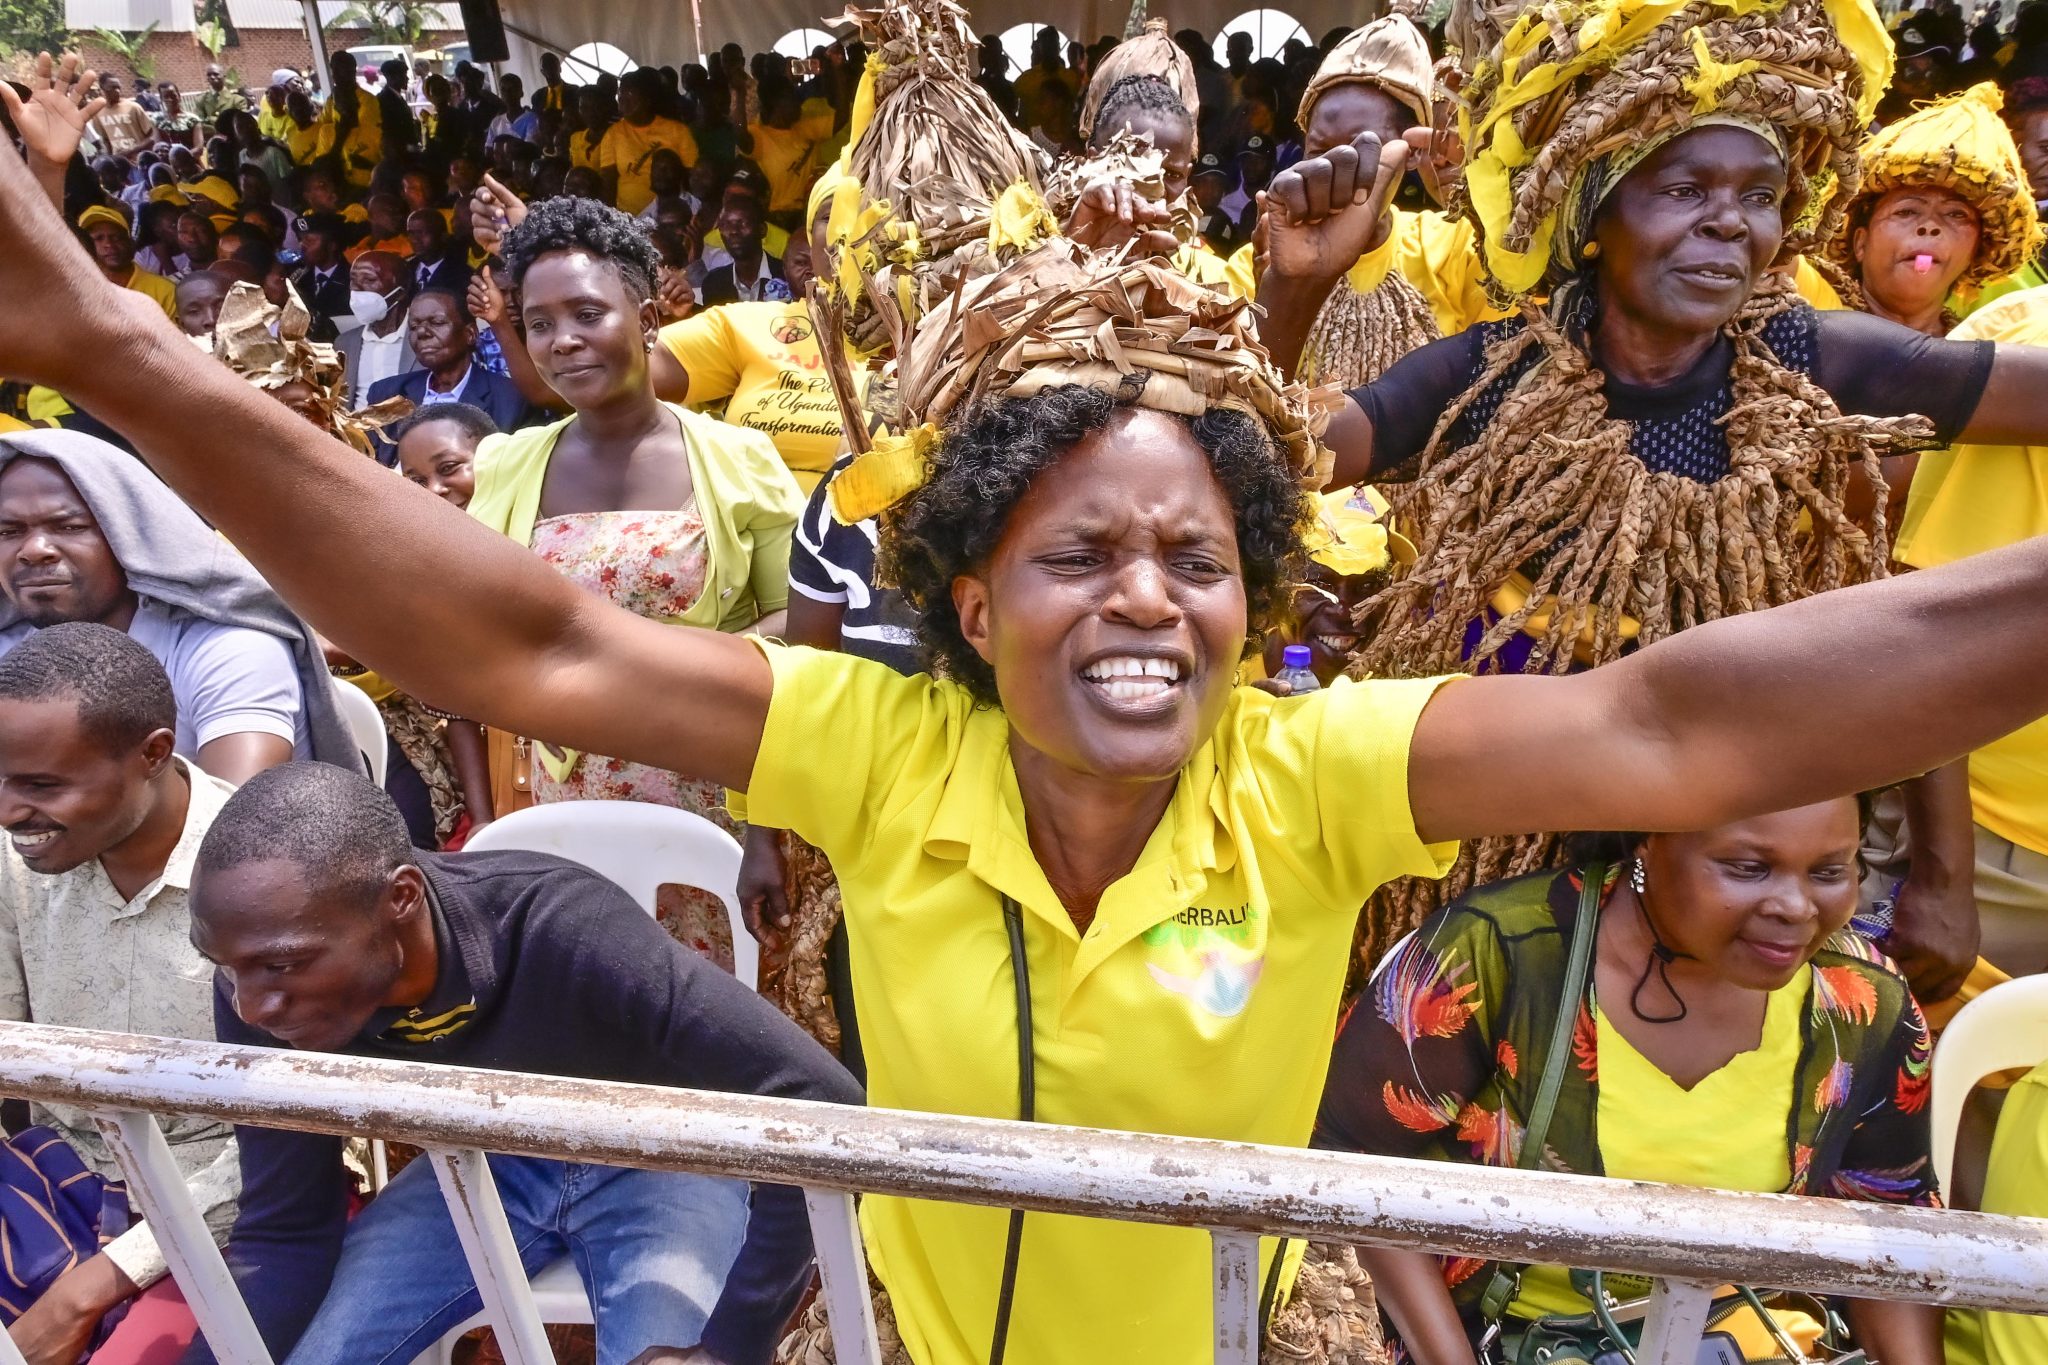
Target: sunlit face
112, 247
440, 335
1112, 609
65, 796
441, 458
1920, 240
2033, 140
1342, 112
199, 299
1324, 619
309, 966
1755, 900
1174, 139
586, 333
1686, 236
56, 561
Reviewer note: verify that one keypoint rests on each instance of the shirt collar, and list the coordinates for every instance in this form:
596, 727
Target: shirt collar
460, 980
206, 795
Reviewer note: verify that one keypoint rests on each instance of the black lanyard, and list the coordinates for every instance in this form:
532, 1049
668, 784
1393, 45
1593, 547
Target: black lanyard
1027, 1107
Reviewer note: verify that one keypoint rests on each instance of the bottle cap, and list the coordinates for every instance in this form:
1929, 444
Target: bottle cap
1294, 656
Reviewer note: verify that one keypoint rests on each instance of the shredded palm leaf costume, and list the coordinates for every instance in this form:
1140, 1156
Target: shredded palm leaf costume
1546, 523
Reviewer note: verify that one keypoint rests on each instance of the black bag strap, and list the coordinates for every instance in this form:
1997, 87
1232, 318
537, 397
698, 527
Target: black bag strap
1027, 1111
1550, 1081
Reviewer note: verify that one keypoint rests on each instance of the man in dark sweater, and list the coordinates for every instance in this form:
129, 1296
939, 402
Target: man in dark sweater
332, 934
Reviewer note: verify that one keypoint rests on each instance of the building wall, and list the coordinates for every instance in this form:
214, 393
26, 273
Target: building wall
261, 51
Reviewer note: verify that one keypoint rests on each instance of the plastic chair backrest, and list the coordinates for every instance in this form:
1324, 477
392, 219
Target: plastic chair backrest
2004, 1028
366, 723
640, 847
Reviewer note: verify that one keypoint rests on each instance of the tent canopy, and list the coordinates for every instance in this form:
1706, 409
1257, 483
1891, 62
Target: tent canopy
659, 32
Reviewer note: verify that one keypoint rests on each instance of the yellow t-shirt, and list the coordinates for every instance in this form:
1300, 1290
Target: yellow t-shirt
157, 287
582, 150
627, 148
365, 140
785, 154
763, 359
1975, 498
1726, 1133
1201, 1001
278, 124
310, 143
1815, 289
1436, 254
2017, 1184
1204, 266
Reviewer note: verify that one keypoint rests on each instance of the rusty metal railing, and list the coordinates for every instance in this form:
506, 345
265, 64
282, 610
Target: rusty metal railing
1691, 1240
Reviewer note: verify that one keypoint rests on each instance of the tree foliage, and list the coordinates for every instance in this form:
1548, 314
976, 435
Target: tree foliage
392, 21
33, 26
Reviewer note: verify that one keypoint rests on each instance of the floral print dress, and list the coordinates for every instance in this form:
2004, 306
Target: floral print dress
652, 564
1438, 1059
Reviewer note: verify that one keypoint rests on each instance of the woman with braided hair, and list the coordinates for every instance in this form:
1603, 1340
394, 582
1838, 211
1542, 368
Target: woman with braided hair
1671, 437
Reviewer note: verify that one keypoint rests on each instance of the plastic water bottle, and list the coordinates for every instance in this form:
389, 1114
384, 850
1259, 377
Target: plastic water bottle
1295, 672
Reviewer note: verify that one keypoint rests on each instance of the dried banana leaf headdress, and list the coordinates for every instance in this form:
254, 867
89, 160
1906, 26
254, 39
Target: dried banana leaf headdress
1959, 144
1151, 53
1566, 92
268, 346
933, 172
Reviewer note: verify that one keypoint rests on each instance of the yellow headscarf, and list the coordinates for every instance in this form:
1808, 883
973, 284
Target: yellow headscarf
1350, 536
1959, 144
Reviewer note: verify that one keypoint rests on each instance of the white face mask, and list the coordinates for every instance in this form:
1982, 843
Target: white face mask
364, 308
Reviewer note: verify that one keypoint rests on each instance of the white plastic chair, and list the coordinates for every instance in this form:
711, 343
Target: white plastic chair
642, 848
366, 723
2004, 1028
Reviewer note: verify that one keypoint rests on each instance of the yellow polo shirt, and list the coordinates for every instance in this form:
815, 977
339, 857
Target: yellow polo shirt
156, 287
1437, 254
1202, 1000
2015, 1184
1976, 498
365, 141
627, 148
763, 360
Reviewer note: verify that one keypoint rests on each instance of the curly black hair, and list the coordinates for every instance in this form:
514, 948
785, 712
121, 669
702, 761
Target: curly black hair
1133, 94
988, 459
566, 223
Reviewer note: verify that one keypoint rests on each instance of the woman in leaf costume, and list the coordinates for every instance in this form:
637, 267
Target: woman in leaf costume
1664, 435
1732, 1033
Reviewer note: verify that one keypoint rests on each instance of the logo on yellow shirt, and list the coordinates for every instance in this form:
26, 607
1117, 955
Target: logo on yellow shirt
1210, 957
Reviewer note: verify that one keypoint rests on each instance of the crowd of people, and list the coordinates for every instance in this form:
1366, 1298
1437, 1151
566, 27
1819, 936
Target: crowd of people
1467, 593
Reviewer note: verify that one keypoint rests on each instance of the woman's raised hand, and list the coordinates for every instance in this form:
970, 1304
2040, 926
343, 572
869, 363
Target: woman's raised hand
494, 211
1323, 213
487, 303
62, 98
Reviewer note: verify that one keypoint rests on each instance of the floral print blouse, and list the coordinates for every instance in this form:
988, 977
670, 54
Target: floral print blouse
1436, 1060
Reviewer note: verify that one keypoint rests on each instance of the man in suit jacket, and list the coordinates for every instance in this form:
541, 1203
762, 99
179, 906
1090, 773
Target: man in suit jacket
443, 337
438, 260
323, 280
754, 276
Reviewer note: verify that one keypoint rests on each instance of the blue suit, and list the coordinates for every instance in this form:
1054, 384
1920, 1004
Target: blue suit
494, 393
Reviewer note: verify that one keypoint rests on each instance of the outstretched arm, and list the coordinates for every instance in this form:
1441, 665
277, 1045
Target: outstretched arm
1754, 713
477, 625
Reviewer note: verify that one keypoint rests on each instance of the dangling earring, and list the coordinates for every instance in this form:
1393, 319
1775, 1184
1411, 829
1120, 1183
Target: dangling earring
650, 345
1638, 879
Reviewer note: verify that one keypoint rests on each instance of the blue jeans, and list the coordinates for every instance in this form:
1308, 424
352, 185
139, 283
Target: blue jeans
652, 1249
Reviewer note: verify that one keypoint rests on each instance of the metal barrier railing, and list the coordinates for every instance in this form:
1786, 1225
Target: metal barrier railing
1692, 1240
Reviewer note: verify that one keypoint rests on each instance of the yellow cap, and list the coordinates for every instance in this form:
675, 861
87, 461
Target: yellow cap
100, 213
214, 188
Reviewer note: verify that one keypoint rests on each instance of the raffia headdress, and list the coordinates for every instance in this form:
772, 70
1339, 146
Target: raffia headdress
270, 347
1958, 144
1151, 53
1564, 88
1389, 53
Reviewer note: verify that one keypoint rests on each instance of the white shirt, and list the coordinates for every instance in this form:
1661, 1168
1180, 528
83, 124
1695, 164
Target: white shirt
227, 680
73, 953
429, 398
379, 359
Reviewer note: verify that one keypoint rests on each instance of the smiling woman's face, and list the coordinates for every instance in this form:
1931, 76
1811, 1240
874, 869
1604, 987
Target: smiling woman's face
1113, 609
